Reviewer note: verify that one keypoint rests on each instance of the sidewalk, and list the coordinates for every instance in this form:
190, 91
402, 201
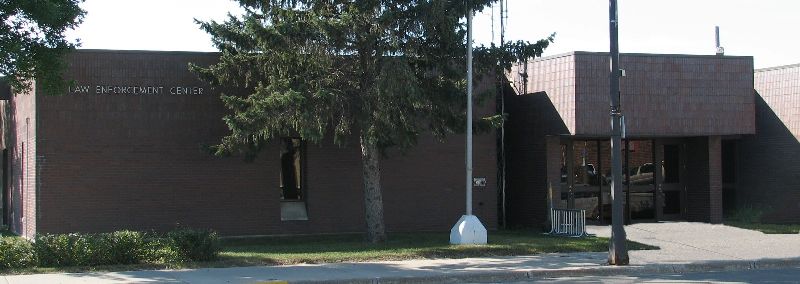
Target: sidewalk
686, 247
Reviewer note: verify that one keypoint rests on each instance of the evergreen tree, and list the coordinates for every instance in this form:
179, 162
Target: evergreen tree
32, 43
385, 71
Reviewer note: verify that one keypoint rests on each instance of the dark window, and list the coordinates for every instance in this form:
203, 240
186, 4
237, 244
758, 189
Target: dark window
291, 169
672, 166
728, 161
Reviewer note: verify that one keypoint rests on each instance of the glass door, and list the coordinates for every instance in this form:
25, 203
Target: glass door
671, 187
639, 180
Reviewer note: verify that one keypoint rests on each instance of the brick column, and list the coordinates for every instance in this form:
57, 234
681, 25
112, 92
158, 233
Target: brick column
553, 154
715, 179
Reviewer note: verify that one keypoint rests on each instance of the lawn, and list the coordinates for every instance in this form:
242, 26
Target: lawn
401, 246
766, 228
352, 248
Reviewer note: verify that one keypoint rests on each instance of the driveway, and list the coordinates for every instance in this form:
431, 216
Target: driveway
684, 242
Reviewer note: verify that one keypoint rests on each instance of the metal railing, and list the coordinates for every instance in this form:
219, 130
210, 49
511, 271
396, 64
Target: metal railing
568, 222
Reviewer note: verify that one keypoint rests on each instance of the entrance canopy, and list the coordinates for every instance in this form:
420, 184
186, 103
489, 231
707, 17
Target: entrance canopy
661, 94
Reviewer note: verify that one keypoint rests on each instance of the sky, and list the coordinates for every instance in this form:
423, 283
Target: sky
764, 29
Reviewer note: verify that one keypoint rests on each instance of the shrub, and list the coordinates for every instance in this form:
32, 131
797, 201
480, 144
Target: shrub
16, 253
158, 249
65, 250
195, 245
120, 247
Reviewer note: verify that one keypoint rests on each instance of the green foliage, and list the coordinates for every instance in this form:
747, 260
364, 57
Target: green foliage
385, 71
746, 214
64, 250
32, 42
195, 245
120, 247
16, 253
160, 249
381, 71
125, 247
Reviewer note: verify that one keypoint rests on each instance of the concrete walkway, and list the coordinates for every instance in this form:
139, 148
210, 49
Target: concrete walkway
685, 247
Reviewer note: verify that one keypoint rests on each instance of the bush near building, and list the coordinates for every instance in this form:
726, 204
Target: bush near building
115, 248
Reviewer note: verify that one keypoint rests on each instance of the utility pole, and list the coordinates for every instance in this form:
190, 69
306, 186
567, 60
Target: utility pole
617, 250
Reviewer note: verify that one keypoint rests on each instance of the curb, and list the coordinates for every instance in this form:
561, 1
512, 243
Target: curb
533, 274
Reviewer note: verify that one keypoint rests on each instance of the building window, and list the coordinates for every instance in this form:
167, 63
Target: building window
291, 169
293, 193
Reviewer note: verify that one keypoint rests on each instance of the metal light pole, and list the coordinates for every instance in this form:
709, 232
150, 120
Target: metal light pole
617, 251
469, 112
468, 229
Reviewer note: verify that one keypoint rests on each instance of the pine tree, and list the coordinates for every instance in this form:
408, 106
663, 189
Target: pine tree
385, 70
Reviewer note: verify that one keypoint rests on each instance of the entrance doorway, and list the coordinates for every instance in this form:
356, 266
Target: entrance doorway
586, 179
672, 189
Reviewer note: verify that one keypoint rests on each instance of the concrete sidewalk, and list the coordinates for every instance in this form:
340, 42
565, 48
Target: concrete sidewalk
686, 247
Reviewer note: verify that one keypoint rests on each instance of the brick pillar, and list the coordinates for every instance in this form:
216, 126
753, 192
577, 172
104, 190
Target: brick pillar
715, 179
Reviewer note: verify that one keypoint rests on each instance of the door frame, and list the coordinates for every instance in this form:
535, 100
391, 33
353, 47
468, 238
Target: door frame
680, 186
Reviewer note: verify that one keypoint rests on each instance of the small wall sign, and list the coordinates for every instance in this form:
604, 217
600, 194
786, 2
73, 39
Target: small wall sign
479, 182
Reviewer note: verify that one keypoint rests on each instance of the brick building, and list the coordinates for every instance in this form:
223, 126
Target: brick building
126, 148
682, 114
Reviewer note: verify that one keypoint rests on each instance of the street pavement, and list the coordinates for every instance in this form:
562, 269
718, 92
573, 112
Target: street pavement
787, 275
685, 248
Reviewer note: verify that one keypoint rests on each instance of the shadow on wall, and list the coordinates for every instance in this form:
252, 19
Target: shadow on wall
531, 117
769, 175
10, 194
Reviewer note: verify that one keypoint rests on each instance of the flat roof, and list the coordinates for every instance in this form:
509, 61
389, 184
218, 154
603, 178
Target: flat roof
778, 67
709, 56
134, 51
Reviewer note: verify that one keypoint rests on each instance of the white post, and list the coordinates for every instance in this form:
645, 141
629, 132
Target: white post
469, 113
468, 229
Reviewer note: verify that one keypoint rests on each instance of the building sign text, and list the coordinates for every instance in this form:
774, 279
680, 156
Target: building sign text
135, 90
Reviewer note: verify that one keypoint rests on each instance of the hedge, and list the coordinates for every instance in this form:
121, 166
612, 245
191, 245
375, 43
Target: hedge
120, 247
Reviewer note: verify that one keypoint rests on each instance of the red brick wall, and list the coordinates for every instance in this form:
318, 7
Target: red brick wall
138, 162
661, 95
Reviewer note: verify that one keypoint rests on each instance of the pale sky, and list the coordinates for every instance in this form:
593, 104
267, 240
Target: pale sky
764, 29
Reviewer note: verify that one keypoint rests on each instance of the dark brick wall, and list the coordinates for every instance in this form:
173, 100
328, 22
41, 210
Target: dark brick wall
704, 179
715, 179
769, 175
531, 118
125, 161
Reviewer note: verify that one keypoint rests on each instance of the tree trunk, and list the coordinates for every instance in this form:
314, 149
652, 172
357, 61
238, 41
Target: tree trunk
373, 201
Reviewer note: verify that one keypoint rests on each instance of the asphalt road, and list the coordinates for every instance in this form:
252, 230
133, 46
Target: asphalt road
791, 275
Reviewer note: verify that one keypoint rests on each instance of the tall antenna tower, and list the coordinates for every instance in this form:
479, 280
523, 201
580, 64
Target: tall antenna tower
501, 108
503, 20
